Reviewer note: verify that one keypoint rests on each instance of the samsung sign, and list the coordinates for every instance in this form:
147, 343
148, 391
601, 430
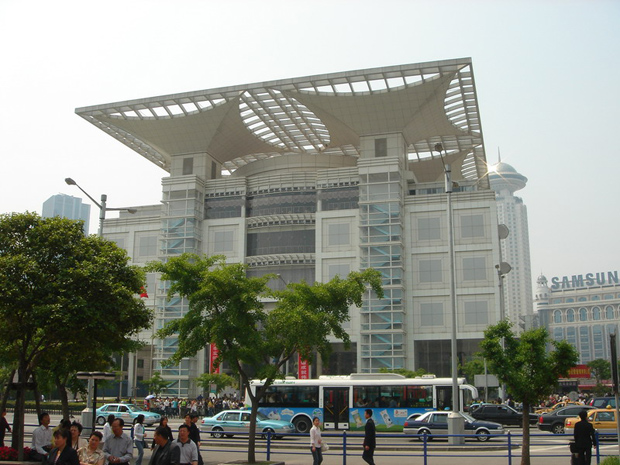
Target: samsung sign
587, 280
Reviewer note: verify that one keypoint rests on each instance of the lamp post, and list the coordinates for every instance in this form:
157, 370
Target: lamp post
103, 208
455, 422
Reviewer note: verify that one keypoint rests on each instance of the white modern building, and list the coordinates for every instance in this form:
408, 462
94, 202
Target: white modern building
515, 248
318, 176
582, 309
67, 206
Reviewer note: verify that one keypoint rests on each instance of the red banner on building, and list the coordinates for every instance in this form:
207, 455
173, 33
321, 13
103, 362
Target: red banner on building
214, 352
579, 371
303, 371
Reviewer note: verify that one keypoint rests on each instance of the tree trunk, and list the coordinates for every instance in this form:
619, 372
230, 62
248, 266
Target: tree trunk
37, 395
18, 415
525, 449
64, 398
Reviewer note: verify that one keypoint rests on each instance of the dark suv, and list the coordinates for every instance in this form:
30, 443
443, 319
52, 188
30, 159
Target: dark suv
502, 414
554, 421
602, 402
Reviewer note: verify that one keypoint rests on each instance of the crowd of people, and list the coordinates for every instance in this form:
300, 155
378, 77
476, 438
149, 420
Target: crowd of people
174, 407
63, 444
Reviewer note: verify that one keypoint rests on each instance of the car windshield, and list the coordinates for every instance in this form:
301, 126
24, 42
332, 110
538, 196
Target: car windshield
467, 417
132, 408
260, 416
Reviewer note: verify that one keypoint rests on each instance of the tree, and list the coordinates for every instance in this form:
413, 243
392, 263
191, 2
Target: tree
473, 367
528, 369
220, 380
61, 293
225, 308
156, 383
601, 369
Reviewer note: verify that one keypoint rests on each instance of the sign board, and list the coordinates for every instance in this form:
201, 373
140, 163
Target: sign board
491, 381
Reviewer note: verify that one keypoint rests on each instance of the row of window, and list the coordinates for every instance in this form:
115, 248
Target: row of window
584, 314
585, 298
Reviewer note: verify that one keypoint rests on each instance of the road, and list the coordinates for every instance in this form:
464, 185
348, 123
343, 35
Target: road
546, 448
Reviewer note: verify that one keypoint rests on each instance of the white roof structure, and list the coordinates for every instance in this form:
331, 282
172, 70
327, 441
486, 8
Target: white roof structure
428, 103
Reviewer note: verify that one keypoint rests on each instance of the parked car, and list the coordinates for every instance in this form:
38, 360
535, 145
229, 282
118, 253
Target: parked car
231, 422
602, 402
128, 412
554, 421
503, 414
434, 423
603, 420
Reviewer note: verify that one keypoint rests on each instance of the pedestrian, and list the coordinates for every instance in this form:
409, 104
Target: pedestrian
107, 429
316, 442
4, 427
91, 454
166, 452
62, 453
187, 447
194, 433
585, 438
41, 439
139, 435
370, 438
119, 448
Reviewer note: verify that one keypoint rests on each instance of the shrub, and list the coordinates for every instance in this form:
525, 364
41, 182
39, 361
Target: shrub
8, 453
610, 461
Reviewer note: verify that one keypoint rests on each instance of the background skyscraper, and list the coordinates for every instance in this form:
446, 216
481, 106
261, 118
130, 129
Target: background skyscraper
67, 206
512, 212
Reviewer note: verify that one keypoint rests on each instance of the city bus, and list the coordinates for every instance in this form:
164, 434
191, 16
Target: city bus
340, 401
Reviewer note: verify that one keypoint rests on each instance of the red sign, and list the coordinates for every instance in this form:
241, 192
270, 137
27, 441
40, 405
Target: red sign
214, 352
303, 371
579, 371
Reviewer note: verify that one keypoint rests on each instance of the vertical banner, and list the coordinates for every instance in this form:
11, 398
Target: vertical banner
213, 353
303, 371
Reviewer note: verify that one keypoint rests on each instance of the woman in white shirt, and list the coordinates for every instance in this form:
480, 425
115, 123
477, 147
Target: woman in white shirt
138, 438
316, 442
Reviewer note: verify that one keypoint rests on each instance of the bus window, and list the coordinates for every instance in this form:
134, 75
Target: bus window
290, 396
419, 396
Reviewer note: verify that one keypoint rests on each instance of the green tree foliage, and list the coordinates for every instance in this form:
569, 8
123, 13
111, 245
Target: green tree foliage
600, 368
219, 380
472, 367
404, 372
523, 363
156, 383
225, 308
61, 295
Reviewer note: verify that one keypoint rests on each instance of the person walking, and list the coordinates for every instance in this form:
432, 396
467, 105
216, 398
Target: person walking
166, 451
316, 442
139, 435
585, 438
4, 427
370, 438
187, 447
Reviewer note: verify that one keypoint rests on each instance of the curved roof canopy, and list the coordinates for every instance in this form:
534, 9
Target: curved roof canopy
428, 103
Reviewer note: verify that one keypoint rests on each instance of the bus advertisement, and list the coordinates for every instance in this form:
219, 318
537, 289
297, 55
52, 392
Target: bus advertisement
340, 401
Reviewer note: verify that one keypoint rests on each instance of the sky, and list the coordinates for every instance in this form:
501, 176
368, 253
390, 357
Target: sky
547, 75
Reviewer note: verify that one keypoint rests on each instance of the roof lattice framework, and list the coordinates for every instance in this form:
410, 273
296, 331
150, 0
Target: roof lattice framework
428, 103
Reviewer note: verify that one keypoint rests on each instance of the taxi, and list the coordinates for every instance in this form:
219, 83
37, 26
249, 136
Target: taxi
555, 407
603, 420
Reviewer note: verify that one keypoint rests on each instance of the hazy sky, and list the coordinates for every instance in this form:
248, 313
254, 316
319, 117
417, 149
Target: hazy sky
547, 76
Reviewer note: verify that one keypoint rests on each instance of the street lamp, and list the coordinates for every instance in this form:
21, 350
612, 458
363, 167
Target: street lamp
102, 206
455, 423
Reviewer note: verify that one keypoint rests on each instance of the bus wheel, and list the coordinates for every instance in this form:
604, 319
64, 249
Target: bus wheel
302, 425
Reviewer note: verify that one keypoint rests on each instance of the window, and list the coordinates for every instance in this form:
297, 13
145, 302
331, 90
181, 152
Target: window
140, 363
147, 246
381, 147
557, 316
584, 344
429, 229
430, 271
431, 314
558, 334
292, 396
476, 313
338, 234
609, 312
474, 269
341, 270
583, 314
223, 241
570, 315
472, 226
188, 166
596, 313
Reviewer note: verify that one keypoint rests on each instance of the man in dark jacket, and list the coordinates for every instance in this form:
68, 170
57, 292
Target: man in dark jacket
166, 451
370, 438
585, 438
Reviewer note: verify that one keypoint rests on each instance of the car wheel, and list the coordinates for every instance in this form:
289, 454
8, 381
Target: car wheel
268, 432
558, 428
302, 425
483, 435
217, 432
100, 421
426, 432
